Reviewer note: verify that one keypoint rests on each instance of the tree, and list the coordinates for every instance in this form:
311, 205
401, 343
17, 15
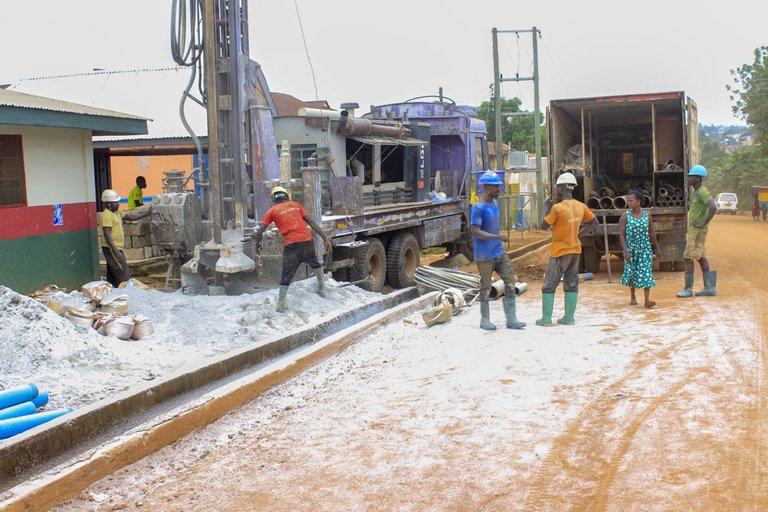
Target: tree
517, 131
750, 94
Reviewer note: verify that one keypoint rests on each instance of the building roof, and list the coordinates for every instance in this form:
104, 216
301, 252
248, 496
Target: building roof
154, 93
18, 108
288, 106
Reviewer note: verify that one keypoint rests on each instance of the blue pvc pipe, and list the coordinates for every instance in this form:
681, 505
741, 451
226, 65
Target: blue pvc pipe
13, 426
41, 399
21, 409
17, 395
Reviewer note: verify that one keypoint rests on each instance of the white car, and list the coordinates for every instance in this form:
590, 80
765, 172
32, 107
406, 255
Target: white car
727, 203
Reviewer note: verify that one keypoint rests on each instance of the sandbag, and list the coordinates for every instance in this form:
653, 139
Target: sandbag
96, 290
438, 314
115, 303
133, 282
454, 296
121, 327
143, 327
81, 317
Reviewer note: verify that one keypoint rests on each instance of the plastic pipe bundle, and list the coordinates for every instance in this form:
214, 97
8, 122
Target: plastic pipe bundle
17, 395
17, 410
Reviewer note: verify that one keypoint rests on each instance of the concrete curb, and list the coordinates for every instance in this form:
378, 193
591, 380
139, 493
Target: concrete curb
35, 451
55, 487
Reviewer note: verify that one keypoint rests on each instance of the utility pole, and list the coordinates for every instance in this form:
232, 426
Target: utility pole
497, 96
497, 80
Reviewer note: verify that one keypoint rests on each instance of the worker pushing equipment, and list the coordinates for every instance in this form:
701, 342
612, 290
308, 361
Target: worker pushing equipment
490, 254
565, 216
291, 220
112, 243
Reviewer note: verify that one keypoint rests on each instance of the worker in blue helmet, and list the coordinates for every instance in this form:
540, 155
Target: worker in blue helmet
489, 252
701, 211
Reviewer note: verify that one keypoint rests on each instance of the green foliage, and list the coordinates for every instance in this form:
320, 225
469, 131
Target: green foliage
750, 94
518, 131
737, 172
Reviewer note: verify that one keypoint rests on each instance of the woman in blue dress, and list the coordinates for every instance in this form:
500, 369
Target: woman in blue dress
636, 234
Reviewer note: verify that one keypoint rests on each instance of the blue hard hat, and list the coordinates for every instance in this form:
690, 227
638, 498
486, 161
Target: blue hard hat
490, 178
698, 170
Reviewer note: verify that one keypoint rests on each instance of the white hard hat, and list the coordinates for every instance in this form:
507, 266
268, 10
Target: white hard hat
566, 179
110, 196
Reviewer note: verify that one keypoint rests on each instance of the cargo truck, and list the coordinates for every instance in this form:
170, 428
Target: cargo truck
614, 144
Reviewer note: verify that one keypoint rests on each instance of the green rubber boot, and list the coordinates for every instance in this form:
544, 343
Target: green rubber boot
485, 316
320, 281
688, 290
547, 304
710, 285
571, 298
281, 299
510, 313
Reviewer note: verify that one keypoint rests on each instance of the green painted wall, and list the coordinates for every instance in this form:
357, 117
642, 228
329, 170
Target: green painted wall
66, 259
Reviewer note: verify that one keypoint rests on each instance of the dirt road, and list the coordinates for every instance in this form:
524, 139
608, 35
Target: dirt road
631, 409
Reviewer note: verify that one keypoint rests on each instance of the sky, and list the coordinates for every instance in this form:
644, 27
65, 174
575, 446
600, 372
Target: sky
385, 52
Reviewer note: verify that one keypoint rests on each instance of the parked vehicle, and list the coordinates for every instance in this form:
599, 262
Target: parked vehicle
727, 202
614, 144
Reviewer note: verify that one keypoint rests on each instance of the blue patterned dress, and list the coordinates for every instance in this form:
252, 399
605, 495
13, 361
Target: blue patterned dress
638, 272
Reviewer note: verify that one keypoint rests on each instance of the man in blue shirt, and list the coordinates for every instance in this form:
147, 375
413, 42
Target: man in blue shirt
489, 252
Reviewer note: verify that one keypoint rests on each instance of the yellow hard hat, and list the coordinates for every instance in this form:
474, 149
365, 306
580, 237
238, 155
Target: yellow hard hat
277, 191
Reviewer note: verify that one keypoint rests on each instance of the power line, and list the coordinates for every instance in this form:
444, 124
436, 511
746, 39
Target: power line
306, 49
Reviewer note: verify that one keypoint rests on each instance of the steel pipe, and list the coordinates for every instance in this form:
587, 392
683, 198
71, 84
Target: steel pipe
356, 127
594, 203
620, 202
605, 192
606, 203
645, 201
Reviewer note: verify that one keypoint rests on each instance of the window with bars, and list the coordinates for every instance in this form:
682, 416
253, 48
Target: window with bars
13, 187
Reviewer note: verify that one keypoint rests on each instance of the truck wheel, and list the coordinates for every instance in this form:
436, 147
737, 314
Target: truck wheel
591, 260
403, 257
370, 263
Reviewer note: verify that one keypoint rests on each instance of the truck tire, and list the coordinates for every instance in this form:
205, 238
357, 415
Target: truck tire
370, 263
403, 257
591, 260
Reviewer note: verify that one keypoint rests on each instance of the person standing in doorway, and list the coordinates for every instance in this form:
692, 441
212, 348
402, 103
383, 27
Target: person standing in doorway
136, 196
701, 211
636, 234
565, 216
113, 238
489, 252
293, 222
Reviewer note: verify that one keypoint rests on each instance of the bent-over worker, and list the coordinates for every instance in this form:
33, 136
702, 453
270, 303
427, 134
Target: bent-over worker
292, 221
565, 216
113, 238
489, 252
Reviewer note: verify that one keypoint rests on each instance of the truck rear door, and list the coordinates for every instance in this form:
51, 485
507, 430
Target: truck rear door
693, 132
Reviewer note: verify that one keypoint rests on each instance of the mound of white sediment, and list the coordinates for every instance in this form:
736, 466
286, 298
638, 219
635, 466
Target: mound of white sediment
78, 365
